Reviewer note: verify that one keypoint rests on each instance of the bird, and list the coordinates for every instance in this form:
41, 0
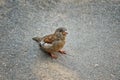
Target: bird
53, 43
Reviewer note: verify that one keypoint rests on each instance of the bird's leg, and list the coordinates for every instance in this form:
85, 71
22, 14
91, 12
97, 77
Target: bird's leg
62, 52
53, 56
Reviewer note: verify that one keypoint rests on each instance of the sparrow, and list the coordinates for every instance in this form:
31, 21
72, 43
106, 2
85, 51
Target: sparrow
53, 43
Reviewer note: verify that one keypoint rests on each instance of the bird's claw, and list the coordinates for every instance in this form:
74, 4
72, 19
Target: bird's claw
62, 52
53, 56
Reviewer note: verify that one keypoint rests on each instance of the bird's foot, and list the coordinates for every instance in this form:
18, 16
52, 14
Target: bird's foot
62, 52
53, 56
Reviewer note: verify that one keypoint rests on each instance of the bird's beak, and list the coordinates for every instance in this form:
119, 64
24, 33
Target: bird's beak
64, 33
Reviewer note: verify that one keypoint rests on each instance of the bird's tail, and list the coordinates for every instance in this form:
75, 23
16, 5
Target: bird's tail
37, 39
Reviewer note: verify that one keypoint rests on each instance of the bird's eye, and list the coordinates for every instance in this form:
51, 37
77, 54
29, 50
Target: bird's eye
60, 31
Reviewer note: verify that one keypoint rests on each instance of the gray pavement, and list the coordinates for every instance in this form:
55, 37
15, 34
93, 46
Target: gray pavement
93, 42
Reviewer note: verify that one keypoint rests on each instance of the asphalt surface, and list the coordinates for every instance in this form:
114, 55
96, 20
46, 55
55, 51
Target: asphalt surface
93, 42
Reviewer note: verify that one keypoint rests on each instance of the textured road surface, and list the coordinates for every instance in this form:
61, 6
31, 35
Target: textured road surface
93, 42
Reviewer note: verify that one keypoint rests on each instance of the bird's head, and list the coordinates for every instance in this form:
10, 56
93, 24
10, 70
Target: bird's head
62, 31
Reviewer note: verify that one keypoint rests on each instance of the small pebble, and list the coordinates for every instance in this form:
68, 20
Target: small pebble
96, 65
112, 75
4, 64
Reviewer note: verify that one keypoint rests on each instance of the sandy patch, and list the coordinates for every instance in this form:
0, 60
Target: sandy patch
53, 71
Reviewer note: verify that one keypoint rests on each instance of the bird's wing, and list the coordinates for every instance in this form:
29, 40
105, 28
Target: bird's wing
45, 45
47, 41
49, 38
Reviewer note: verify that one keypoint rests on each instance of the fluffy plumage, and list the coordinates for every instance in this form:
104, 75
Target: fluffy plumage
54, 42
